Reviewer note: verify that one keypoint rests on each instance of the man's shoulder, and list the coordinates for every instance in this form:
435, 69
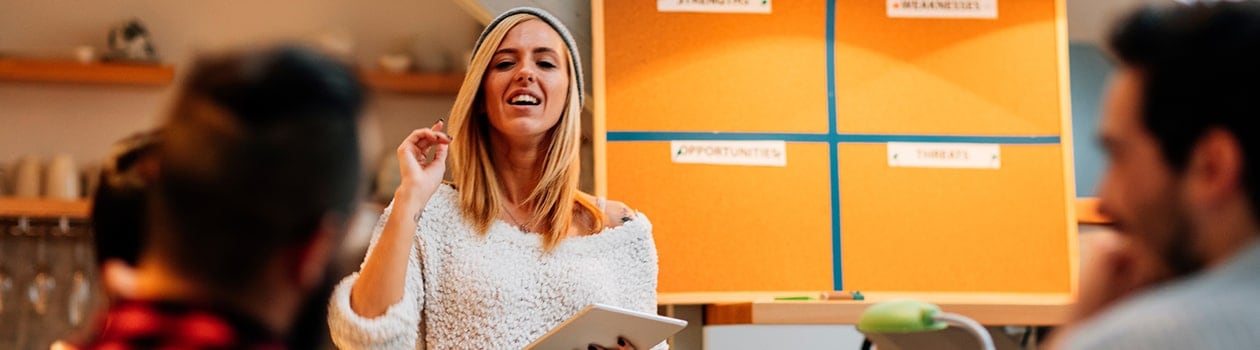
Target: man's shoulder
1185, 315
154, 324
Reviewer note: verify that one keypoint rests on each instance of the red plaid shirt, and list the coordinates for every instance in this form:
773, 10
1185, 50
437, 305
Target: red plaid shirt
166, 325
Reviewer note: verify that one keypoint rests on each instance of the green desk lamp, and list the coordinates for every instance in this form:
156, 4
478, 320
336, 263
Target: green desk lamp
909, 316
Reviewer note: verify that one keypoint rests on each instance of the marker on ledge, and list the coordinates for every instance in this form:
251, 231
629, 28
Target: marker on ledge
837, 295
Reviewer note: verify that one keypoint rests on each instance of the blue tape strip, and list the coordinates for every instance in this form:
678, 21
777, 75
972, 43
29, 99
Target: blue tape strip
622, 136
631, 136
837, 278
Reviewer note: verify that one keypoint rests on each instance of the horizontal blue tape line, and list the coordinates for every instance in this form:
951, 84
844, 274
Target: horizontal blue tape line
870, 138
630, 136
713, 136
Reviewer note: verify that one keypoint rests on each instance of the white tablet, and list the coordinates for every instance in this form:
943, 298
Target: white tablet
602, 324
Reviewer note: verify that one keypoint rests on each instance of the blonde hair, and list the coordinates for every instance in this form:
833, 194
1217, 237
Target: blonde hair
555, 198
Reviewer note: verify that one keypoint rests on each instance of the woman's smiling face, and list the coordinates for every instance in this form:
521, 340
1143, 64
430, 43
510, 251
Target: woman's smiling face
525, 88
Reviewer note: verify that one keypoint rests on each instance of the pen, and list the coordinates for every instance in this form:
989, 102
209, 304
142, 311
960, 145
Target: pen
838, 295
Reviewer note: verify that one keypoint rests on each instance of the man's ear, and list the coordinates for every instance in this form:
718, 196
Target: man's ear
118, 279
318, 251
1214, 172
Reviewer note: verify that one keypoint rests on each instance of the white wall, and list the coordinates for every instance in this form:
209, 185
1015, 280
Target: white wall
1091, 20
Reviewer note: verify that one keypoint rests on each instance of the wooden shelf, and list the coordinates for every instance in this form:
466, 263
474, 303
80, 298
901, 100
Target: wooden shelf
985, 308
85, 73
44, 208
703, 298
413, 83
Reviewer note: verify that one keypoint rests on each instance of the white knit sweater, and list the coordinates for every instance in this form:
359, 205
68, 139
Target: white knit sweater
501, 290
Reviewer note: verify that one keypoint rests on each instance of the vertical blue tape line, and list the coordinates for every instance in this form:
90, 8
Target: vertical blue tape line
837, 273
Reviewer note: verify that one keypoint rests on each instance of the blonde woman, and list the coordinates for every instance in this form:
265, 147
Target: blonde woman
511, 248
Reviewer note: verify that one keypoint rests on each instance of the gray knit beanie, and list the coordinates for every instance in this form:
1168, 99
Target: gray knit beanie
555, 24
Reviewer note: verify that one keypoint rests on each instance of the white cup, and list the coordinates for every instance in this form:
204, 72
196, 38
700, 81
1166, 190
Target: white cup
394, 63
63, 179
26, 180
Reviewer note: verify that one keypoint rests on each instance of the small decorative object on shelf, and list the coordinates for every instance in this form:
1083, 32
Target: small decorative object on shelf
85, 54
395, 63
430, 57
336, 42
131, 42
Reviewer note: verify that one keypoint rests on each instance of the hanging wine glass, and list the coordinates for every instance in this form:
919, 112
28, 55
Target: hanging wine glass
80, 286
41, 287
12, 321
6, 280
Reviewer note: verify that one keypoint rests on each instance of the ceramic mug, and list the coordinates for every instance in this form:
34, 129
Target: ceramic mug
62, 181
26, 180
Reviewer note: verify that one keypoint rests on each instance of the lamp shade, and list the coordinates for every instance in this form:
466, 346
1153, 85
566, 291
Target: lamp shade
900, 316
